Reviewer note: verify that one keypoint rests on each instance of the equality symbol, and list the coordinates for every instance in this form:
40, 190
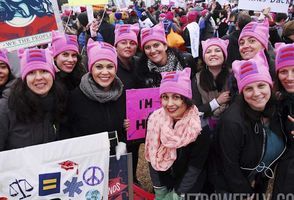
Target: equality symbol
21, 187
49, 183
73, 187
93, 176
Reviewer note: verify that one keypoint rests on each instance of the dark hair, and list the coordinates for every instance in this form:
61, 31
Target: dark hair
208, 83
281, 16
187, 101
28, 106
242, 20
78, 71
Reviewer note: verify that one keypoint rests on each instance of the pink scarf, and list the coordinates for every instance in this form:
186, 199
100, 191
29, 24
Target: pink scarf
162, 140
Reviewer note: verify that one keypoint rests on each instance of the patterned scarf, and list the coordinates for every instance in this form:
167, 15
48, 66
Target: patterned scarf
95, 92
172, 64
163, 140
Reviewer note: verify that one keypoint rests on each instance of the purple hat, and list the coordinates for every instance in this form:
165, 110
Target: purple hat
126, 32
35, 59
284, 55
223, 44
258, 30
100, 51
252, 70
155, 33
176, 82
3, 56
63, 42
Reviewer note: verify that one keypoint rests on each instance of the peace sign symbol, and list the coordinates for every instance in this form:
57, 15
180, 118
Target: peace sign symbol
93, 176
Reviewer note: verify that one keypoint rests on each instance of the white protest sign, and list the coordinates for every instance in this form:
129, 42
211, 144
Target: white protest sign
165, 2
73, 169
280, 6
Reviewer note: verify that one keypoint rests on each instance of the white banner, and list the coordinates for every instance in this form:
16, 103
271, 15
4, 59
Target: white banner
275, 5
165, 2
73, 169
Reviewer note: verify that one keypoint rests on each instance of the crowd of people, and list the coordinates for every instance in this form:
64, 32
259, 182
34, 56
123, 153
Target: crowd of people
226, 122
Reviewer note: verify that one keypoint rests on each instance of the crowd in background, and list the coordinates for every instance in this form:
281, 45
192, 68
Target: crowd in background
226, 80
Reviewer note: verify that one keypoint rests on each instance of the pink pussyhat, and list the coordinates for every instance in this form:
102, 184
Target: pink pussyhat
284, 55
155, 33
258, 30
100, 51
63, 42
176, 82
35, 59
126, 32
252, 70
223, 44
4, 57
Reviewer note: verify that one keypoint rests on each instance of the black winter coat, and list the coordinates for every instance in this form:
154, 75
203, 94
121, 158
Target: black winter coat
128, 76
285, 171
149, 79
187, 174
239, 148
86, 116
15, 134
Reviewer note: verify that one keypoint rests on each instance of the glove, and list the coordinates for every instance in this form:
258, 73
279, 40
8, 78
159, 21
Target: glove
160, 192
120, 149
172, 195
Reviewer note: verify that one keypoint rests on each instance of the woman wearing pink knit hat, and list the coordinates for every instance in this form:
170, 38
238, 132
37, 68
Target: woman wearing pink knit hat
250, 137
174, 147
67, 59
210, 86
157, 57
6, 76
98, 103
253, 38
36, 104
285, 85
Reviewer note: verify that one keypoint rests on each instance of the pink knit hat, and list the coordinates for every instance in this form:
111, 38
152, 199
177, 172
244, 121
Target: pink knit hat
63, 42
223, 44
284, 55
35, 59
169, 16
154, 33
252, 70
100, 51
192, 16
3, 56
176, 82
258, 30
126, 32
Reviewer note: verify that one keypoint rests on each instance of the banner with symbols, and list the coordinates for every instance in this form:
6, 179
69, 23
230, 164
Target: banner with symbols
28, 23
75, 169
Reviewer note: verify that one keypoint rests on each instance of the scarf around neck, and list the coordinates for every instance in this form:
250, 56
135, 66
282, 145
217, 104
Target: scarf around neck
163, 140
173, 64
95, 92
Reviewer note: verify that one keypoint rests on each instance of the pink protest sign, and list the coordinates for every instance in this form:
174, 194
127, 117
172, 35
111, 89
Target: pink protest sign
140, 103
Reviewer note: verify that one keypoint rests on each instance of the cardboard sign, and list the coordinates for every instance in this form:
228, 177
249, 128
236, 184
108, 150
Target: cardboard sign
74, 169
27, 23
140, 103
120, 178
86, 2
280, 6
